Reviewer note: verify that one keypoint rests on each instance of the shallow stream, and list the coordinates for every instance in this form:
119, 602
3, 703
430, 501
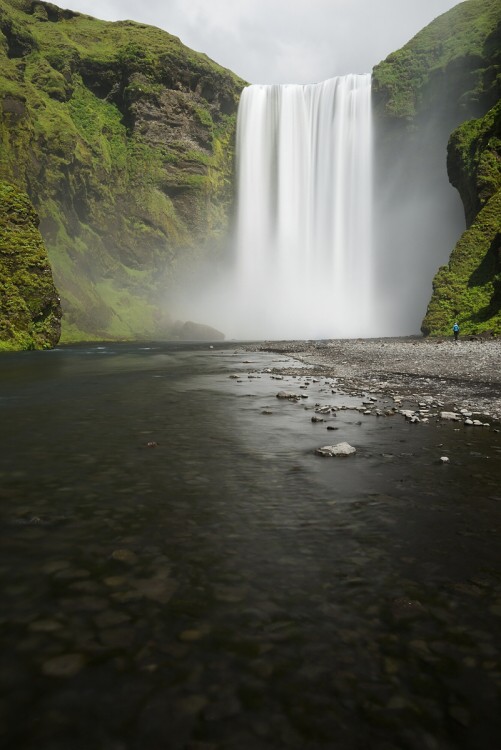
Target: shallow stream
180, 570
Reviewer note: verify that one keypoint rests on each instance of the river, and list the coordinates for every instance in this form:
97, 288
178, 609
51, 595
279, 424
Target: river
180, 570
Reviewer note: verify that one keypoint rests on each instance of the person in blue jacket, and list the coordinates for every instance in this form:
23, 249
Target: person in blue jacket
455, 329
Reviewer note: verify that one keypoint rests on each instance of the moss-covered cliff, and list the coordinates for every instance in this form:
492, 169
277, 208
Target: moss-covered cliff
123, 139
453, 65
469, 287
30, 310
448, 74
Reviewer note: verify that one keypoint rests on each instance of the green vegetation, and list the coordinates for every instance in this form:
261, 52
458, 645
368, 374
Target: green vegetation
122, 137
469, 287
30, 313
448, 78
458, 56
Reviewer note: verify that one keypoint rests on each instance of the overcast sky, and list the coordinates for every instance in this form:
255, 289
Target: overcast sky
281, 41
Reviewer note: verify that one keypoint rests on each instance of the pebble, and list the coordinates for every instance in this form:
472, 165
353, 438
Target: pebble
125, 556
67, 665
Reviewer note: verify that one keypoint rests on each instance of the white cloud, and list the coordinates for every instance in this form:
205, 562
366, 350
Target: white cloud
278, 41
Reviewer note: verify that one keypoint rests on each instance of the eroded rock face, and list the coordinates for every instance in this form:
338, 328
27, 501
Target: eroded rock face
30, 310
123, 139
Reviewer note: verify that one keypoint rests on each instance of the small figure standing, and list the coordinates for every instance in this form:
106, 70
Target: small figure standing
455, 329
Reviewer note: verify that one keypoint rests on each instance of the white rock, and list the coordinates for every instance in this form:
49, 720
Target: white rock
477, 423
450, 415
287, 394
341, 449
468, 421
444, 459
408, 413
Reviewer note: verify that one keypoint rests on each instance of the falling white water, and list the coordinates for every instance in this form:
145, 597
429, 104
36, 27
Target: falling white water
304, 266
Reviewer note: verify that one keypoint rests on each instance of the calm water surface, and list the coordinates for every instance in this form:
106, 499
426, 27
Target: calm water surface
179, 569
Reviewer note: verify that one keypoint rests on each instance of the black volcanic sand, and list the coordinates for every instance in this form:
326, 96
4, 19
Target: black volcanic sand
180, 570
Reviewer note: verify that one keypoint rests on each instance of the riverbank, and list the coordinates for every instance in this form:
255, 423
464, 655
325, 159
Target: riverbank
463, 376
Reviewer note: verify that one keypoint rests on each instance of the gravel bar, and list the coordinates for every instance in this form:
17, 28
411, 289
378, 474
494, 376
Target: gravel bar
463, 375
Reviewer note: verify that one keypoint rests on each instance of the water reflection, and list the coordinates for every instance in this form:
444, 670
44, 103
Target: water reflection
178, 567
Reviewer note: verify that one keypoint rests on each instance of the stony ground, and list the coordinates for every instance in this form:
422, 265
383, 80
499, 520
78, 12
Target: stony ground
464, 375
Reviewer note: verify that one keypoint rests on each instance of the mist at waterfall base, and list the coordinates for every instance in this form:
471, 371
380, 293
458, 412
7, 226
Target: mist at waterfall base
330, 240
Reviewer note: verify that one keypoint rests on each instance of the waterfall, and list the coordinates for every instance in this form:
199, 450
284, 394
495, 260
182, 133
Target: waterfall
304, 266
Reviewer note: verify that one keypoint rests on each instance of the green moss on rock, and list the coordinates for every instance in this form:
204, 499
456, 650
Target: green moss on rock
469, 287
456, 59
116, 132
447, 79
30, 310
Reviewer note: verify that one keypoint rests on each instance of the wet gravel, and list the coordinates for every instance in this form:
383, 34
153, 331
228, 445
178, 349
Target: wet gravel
466, 374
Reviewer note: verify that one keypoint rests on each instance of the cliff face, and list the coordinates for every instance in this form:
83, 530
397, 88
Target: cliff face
123, 139
30, 311
450, 73
469, 287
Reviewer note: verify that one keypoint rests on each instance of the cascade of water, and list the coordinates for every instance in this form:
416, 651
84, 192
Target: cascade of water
304, 266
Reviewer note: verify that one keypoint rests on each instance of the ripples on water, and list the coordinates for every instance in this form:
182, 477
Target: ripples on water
178, 567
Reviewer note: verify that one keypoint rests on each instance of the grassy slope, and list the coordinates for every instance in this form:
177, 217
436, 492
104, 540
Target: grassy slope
121, 206
459, 49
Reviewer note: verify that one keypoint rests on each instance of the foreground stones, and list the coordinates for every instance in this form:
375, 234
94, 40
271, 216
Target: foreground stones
341, 449
464, 379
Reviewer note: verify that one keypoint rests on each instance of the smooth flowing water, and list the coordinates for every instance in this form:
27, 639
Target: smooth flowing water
180, 571
304, 233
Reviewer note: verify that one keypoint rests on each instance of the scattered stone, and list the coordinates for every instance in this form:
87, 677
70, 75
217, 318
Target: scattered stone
45, 626
190, 636
125, 556
341, 449
452, 416
110, 618
405, 609
444, 459
317, 419
67, 665
288, 395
